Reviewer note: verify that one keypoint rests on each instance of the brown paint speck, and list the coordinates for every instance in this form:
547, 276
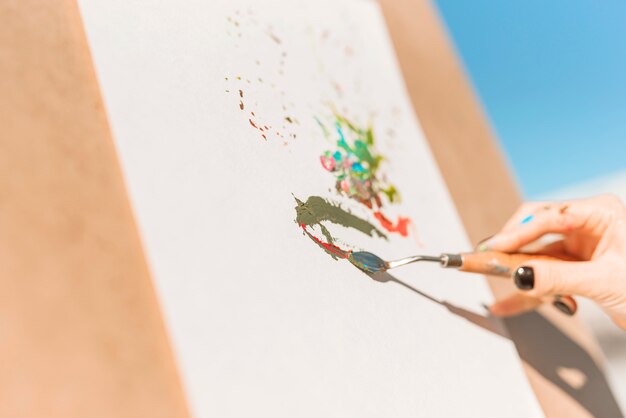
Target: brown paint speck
274, 38
240, 104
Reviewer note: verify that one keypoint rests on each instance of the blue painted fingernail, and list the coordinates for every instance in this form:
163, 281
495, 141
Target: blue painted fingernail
527, 219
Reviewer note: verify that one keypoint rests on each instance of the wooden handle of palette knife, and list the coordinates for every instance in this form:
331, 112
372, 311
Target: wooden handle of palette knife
494, 263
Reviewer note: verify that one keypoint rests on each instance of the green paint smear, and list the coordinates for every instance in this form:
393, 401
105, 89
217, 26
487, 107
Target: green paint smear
317, 210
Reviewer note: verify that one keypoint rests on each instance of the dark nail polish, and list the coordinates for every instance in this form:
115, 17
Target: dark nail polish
524, 278
563, 307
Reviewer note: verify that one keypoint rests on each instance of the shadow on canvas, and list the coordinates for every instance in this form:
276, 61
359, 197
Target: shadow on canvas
548, 350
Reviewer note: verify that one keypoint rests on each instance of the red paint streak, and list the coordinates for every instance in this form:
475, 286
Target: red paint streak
331, 248
252, 123
401, 227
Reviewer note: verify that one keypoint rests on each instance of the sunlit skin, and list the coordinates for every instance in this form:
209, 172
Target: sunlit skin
594, 235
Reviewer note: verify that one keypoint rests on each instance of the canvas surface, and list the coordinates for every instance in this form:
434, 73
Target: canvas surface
262, 144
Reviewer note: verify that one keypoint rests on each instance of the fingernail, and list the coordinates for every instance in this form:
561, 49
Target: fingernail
527, 219
563, 307
524, 278
483, 245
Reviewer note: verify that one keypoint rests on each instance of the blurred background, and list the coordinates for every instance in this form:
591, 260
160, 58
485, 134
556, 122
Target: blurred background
551, 77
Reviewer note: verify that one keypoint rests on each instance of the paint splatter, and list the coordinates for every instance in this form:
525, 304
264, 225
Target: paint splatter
355, 164
332, 249
273, 37
246, 21
316, 211
527, 219
401, 226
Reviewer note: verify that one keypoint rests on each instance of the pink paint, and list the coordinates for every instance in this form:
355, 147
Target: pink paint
327, 162
345, 186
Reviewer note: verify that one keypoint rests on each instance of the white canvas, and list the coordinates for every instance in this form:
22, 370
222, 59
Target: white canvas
263, 321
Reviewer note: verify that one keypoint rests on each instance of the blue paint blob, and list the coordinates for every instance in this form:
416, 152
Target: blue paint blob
357, 167
527, 219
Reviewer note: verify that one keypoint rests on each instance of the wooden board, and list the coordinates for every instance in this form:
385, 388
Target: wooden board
81, 333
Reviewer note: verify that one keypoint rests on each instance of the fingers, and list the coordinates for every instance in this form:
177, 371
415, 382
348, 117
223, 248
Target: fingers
539, 278
519, 303
544, 280
535, 219
525, 213
557, 219
554, 249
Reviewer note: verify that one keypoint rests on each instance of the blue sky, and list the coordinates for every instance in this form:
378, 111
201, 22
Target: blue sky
552, 78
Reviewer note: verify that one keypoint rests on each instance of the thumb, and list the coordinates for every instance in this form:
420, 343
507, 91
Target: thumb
540, 278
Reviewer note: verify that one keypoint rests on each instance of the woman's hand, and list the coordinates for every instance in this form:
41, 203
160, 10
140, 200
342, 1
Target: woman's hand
594, 235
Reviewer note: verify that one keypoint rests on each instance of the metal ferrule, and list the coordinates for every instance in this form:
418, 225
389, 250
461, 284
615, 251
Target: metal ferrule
451, 260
